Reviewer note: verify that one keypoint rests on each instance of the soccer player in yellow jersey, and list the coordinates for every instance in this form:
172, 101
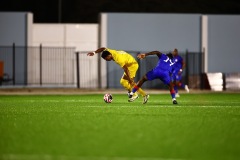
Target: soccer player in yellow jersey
128, 64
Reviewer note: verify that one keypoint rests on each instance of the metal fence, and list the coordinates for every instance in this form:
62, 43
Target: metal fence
61, 66
38, 65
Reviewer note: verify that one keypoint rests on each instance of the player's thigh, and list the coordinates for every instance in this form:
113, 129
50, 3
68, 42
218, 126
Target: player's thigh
178, 77
132, 70
173, 77
165, 78
151, 75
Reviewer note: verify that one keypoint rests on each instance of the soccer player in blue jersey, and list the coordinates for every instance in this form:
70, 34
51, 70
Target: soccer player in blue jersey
162, 71
177, 72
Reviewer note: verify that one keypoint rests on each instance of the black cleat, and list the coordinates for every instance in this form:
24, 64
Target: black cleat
174, 101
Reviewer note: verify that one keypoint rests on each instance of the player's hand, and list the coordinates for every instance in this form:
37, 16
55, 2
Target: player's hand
180, 72
90, 54
141, 56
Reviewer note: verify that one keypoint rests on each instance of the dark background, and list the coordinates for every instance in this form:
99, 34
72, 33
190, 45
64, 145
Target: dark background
87, 11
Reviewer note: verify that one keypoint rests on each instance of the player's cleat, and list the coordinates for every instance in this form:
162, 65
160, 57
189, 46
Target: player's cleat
174, 101
130, 94
177, 95
186, 88
145, 99
133, 97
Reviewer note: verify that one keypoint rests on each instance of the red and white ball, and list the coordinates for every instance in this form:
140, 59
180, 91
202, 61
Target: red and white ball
107, 98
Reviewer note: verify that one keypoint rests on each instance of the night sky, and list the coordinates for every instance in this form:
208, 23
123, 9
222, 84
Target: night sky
87, 11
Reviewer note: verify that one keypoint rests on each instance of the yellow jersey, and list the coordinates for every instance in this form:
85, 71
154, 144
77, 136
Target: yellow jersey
122, 58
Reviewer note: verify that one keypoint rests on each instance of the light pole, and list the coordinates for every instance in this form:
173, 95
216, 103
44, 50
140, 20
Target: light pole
59, 11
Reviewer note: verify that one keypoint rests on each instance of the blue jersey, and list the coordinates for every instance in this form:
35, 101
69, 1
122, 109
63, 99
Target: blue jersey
178, 62
165, 63
163, 70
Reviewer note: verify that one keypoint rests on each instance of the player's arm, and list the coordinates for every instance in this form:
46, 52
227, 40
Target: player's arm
127, 74
183, 66
99, 50
143, 55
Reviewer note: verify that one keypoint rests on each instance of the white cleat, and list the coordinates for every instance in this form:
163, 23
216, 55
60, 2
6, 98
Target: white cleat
177, 95
186, 88
133, 97
145, 99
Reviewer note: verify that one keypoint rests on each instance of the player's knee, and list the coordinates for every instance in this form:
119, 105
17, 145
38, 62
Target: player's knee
144, 78
122, 81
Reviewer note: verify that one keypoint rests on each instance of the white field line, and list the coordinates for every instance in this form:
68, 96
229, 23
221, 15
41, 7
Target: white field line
62, 157
160, 101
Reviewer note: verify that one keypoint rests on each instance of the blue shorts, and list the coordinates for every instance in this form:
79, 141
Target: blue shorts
176, 76
163, 75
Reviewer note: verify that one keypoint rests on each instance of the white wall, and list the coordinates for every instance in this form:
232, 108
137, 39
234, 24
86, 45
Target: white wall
84, 37
221, 34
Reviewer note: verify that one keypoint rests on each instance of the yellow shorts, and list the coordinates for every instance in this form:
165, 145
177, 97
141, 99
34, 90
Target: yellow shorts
132, 70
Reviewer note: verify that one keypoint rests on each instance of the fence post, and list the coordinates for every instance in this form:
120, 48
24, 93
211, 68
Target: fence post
224, 81
187, 68
100, 72
26, 65
78, 74
40, 63
13, 62
202, 73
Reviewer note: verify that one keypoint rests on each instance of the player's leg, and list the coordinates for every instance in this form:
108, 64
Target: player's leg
133, 70
136, 88
172, 92
174, 80
180, 84
125, 83
176, 89
151, 75
165, 77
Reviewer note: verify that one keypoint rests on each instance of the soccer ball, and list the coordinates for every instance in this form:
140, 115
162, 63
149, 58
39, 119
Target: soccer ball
107, 98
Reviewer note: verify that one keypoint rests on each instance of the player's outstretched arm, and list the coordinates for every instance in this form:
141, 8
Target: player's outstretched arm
143, 55
99, 50
183, 66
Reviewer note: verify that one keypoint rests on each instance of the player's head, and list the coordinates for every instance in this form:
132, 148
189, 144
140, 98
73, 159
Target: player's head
175, 52
107, 56
170, 55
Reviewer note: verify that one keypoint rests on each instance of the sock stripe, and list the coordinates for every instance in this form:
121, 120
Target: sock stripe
172, 91
136, 87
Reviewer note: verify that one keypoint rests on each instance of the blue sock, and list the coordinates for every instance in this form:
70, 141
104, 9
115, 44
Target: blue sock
176, 89
181, 85
172, 92
135, 88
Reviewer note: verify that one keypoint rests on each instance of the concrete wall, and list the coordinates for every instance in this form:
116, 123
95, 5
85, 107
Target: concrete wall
15, 27
222, 43
146, 32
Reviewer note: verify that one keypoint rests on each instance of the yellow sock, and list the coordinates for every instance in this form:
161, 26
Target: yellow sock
141, 92
125, 84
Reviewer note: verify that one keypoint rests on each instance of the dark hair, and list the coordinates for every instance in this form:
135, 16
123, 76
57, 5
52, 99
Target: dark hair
170, 55
105, 54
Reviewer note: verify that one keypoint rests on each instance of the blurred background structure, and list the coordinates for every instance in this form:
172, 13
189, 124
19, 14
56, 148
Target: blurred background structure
44, 43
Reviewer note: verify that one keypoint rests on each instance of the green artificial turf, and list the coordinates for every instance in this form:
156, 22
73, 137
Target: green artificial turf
201, 126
